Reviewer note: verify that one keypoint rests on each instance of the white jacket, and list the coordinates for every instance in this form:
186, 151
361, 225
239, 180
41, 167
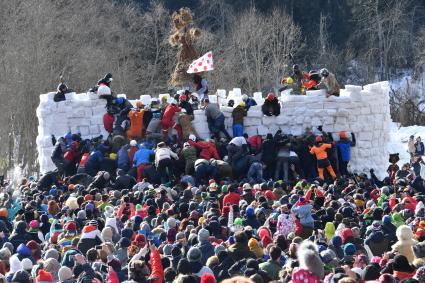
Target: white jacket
164, 153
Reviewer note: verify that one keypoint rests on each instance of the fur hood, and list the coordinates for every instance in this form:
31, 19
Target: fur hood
309, 258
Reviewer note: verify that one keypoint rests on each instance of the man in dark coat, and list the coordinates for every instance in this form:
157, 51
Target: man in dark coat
271, 106
269, 155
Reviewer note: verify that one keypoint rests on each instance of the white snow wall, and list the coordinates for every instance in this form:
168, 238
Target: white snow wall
364, 111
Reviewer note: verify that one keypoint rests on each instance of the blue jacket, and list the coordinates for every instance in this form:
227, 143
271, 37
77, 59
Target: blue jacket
123, 160
94, 161
344, 147
303, 212
142, 156
207, 250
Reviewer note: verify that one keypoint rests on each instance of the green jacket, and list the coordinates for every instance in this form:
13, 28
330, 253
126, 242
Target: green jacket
189, 154
272, 268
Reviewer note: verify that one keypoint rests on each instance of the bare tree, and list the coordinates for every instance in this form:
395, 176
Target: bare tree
81, 40
383, 27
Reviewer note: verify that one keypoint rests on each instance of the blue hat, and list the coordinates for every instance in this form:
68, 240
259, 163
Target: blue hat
386, 219
349, 249
120, 100
336, 241
53, 191
250, 211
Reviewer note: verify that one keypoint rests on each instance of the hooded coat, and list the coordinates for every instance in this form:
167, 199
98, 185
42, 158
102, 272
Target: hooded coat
405, 243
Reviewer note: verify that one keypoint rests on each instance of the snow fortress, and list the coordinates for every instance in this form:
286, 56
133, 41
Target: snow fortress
362, 110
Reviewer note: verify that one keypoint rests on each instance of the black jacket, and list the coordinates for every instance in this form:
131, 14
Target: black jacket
87, 243
271, 108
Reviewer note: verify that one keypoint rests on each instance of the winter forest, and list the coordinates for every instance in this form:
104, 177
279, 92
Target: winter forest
254, 45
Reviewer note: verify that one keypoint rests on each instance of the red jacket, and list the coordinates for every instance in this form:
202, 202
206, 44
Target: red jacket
156, 267
108, 122
71, 155
169, 112
208, 149
255, 141
232, 198
131, 153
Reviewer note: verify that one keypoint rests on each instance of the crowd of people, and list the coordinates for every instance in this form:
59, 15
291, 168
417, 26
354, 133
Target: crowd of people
144, 205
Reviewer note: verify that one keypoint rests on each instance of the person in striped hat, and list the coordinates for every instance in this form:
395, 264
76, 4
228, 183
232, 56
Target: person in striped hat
90, 237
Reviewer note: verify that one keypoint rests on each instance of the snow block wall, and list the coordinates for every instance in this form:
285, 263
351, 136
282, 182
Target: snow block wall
362, 110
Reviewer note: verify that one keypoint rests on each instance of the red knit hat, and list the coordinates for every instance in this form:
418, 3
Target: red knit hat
3, 212
270, 195
262, 232
266, 240
207, 278
319, 139
33, 245
88, 197
342, 134
270, 96
345, 234
44, 276
70, 226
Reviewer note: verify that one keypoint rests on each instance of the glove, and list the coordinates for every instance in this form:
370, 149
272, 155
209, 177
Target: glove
320, 128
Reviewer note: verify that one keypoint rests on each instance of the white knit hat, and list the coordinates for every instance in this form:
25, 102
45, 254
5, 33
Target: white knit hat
65, 273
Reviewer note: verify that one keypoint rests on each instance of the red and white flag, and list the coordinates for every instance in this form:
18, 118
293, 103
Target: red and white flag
203, 64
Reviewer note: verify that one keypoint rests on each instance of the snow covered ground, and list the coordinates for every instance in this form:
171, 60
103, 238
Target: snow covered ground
399, 137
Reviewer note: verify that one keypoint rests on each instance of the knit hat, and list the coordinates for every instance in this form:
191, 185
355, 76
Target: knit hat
27, 264
107, 234
376, 226
5, 254
9, 246
327, 256
386, 219
65, 273
349, 249
171, 222
167, 249
207, 278
34, 224
51, 253
44, 276
203, 235
250, 211
21, 276
70, 226
82, 215
52, 266
194, 254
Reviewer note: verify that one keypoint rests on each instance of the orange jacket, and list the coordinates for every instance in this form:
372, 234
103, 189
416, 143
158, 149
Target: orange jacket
320, 151
136, 123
